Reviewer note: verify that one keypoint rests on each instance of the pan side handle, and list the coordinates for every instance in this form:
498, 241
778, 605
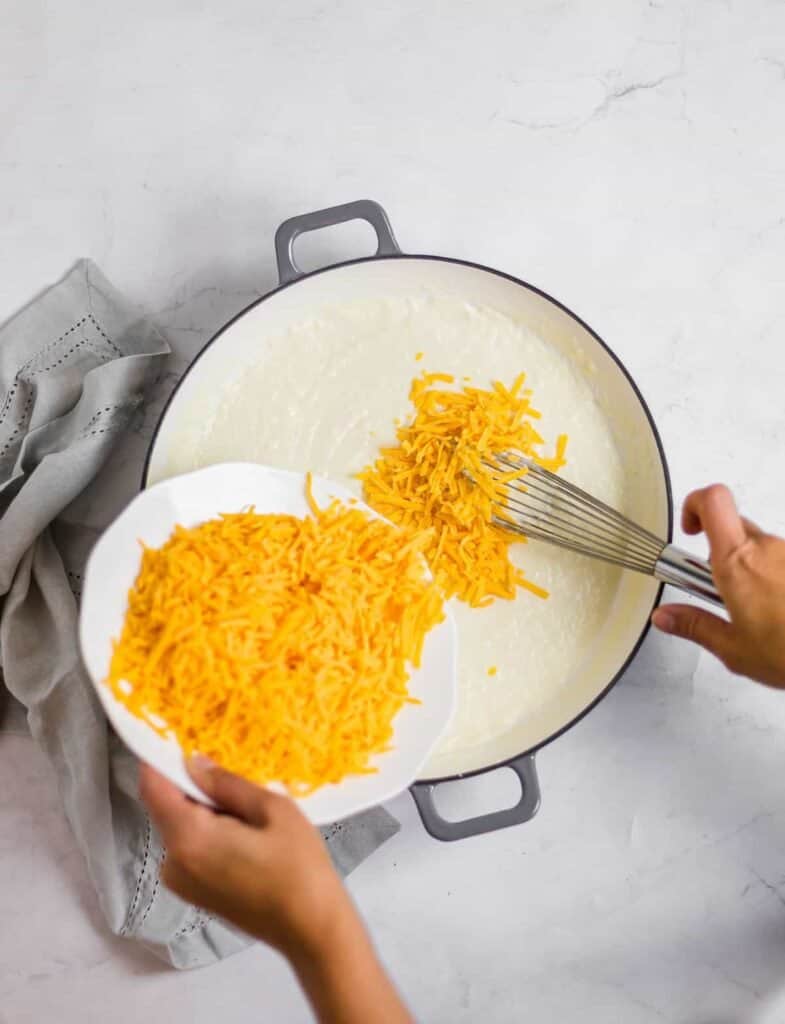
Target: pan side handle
448, 831
361, 209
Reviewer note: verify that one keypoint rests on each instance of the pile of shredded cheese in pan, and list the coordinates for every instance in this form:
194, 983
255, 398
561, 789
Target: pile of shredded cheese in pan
278, 646
434, 484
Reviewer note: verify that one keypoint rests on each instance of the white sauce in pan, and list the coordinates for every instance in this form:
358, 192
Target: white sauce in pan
324, 396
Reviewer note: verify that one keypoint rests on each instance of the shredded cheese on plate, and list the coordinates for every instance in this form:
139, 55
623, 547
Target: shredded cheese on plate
280, 647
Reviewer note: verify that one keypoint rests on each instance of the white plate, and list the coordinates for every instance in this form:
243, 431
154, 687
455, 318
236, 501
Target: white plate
112, 569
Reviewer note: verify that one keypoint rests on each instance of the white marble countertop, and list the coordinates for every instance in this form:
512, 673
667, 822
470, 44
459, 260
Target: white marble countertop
627, 157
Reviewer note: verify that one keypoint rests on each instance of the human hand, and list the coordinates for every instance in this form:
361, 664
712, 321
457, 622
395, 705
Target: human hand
257, 862
260, 865
748, 567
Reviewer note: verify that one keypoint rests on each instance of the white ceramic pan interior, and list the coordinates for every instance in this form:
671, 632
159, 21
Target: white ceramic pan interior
236, 350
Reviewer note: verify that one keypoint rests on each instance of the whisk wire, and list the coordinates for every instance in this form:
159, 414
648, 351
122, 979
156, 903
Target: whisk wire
544, 506
551, 483
588, 511
544, 512
606, 556
596, 550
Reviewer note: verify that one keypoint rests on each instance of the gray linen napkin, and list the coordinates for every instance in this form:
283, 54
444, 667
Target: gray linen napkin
76, 368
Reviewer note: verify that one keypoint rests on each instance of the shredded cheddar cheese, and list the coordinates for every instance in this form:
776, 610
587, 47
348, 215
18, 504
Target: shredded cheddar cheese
277, 646
433, 482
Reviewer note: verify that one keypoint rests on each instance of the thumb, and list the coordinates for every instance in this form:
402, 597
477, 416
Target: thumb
697, 625
230, 792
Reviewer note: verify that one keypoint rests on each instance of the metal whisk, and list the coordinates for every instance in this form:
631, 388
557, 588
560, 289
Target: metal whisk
543, 506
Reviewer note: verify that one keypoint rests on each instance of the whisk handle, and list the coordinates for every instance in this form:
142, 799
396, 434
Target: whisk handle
687, 572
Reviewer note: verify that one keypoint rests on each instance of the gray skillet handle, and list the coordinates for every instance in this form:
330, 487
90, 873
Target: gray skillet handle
362, 209
524, 810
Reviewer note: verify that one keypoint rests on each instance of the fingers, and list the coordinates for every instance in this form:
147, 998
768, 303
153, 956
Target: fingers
176, 817
176, 878
164, 800
230, 792
713, 510
753, 530
699, 626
